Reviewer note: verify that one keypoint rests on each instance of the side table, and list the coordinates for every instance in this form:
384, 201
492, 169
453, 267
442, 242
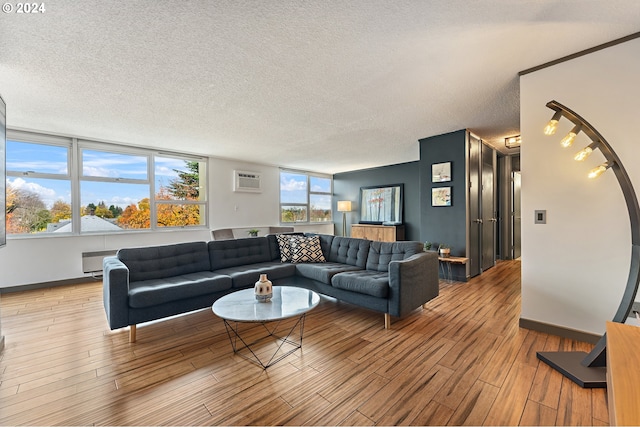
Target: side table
445, 265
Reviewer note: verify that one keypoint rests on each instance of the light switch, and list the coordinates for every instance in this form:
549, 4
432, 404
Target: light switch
541, 217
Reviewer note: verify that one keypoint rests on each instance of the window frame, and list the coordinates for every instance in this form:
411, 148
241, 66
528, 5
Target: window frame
307, 204
75, 175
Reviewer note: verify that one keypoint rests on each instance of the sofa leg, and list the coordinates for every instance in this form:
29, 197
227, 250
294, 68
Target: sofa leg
132, 333
387, 321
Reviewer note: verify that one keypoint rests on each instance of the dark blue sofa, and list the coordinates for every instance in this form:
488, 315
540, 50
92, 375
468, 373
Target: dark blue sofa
149, 283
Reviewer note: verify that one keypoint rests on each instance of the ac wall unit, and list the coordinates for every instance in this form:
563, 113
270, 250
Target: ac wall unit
249, 182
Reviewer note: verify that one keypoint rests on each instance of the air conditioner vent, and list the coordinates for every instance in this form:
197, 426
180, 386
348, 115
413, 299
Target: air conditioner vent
250, 182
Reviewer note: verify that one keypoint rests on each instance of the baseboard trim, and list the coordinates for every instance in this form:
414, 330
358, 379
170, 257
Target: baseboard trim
560, 331
42, 285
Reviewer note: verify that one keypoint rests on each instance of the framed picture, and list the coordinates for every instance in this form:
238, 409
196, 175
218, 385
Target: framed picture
381, 204
441, 172
441, 196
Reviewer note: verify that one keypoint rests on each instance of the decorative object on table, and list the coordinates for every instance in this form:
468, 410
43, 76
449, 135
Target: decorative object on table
589, 369
427, 245
344, 206
441, 172
444, 250
263, 289
253, 232
441, 196
381, 204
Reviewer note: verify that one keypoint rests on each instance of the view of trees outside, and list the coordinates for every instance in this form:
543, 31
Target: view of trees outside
304, 198
27, 212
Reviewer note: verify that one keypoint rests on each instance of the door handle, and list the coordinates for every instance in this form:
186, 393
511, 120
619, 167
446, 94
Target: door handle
478, 221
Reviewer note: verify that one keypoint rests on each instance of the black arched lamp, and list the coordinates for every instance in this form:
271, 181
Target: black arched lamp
588, 369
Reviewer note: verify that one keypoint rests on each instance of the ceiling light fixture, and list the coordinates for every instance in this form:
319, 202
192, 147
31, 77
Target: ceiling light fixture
512, 141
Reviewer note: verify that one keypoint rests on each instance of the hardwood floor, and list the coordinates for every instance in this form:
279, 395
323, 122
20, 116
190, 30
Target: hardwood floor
461, 361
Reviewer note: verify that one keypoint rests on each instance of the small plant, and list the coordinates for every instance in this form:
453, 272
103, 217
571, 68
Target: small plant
427, 245
253, 232
444, 250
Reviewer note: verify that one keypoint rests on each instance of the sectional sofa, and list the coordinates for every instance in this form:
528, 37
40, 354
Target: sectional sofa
149, 283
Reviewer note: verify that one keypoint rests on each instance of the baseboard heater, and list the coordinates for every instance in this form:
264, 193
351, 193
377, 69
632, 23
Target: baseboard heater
92, 261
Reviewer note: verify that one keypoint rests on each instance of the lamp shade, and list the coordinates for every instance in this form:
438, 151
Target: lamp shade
344, 206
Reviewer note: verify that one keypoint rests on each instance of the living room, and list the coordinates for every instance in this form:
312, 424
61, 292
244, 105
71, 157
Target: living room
566, 263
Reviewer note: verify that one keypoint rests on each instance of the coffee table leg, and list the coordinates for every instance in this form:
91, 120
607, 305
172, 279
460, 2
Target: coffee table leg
234, 336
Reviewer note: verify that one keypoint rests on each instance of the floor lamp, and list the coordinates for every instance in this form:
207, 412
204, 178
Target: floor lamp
589, 369
344, 206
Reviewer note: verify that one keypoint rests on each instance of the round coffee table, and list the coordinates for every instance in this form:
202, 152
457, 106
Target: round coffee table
242, 307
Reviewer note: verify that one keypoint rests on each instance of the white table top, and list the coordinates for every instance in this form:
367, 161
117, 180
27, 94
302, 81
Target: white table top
287, 301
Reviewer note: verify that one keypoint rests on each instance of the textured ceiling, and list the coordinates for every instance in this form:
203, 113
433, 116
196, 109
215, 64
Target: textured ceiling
326, 85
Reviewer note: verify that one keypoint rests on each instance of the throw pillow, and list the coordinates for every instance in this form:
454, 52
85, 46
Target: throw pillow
284, 244
306, 249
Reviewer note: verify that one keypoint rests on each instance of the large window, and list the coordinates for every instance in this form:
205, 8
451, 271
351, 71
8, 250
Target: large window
38, 186
304, 197
117, 188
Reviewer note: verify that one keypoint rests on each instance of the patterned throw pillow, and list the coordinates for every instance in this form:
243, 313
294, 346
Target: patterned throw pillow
284, 243
306, 249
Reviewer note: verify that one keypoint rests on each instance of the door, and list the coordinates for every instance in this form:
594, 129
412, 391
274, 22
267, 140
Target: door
475, 214
516, 182
488, 208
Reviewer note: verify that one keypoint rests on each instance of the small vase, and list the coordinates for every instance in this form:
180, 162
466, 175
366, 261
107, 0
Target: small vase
263, 289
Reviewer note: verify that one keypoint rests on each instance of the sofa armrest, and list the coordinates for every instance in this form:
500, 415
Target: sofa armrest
115, 292
413, 282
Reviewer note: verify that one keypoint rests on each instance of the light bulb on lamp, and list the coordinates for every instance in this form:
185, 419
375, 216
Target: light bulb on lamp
586, 151
567, 141
596, 172
552, 126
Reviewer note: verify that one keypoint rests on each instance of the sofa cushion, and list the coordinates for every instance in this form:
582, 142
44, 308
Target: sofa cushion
368, 282
247, 275
147, 293
232, 253
323, 272
306, 249
346, 250
284, 245
157, 262
382, 253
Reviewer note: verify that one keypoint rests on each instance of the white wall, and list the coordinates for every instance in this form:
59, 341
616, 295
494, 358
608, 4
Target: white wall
47, 259
574, 268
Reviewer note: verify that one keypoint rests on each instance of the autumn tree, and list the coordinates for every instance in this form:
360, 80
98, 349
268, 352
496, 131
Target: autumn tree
27, 211
136, 216
60, 211
169, 214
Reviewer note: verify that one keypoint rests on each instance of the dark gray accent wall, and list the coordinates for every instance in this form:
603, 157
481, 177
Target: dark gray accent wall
346, 186
445, 224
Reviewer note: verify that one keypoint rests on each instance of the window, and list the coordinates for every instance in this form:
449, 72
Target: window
114, 191
304, 197
38, 190
117, 188
180, 196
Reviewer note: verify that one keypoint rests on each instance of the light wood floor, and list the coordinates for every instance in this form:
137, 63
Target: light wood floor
462, 360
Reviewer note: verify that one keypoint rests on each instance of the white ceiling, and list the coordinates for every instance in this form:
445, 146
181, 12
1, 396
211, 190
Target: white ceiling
325, 85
